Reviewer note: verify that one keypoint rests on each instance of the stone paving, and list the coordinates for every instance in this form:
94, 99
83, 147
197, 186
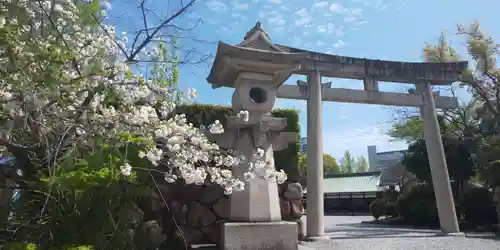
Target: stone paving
347, 232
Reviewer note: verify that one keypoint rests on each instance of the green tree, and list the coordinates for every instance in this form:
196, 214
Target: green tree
330, 166
455, 122
481, 119
409, 130
458, 159
348, 163
361, 164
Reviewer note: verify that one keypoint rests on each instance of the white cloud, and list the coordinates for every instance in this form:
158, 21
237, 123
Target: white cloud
279, 29
321, 4
268, 14
238, 15
356, 11
212, 21
302, 12
223, 31
216, 5
303, 20
385, 7
240, 6
276, 20
330, 28
275, 1
350, 19
319, 43
285, 7
361, 23
335, 7
339, 44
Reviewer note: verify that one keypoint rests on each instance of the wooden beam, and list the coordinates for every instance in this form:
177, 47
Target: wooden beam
368, 97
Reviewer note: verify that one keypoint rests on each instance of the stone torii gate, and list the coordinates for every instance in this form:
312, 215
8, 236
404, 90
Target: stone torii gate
275, 63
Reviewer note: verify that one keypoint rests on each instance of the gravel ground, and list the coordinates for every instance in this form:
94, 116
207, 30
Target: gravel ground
347, 232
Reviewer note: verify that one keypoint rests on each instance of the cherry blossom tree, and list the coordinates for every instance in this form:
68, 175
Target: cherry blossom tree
83, 125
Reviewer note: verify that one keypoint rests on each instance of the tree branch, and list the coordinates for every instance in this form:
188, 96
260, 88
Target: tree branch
133, 54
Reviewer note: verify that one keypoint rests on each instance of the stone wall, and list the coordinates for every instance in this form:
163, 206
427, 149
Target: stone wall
199, 210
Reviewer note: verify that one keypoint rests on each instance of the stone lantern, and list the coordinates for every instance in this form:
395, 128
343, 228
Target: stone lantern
255, 68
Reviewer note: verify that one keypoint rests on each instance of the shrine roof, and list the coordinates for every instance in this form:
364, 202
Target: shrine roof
352, 183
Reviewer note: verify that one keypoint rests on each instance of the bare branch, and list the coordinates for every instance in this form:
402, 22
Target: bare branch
133, 54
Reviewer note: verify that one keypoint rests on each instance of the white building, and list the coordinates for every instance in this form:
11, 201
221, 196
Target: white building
380, 161
303, 145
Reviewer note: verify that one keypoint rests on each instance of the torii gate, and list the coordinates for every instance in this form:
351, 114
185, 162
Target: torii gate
258, 55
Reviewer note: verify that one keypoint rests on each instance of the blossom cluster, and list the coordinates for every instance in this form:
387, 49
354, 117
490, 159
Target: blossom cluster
57, 70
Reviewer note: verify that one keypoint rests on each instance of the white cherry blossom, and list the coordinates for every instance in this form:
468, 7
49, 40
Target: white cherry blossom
93, 89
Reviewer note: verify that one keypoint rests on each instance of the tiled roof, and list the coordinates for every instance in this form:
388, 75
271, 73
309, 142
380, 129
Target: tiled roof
352, 183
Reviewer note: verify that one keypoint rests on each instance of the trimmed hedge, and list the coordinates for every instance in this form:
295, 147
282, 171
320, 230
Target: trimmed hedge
382, 207
418, 206
287, 159
377, 208
478, 207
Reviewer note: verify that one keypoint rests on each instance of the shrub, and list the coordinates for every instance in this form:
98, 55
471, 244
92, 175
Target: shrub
391, 209
478, 207
377, 208
424, 213
418, 205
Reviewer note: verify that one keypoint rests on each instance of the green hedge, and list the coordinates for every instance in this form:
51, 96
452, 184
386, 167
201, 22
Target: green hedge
377, 208
286, 159
478, 207
418, 206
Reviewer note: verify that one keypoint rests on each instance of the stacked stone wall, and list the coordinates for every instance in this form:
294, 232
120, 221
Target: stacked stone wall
197, 211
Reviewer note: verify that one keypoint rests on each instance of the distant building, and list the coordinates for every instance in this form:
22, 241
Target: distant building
303, 145
350, 192
380, 161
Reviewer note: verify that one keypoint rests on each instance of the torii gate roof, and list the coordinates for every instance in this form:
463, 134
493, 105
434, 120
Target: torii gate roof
282, 61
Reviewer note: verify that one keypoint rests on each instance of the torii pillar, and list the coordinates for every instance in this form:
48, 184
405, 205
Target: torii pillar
315, 194
437, 161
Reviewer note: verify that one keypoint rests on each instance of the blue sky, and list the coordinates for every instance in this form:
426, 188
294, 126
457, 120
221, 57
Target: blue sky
378, 29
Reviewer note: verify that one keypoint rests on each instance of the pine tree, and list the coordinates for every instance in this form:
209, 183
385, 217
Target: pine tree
361, 164
348, 163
